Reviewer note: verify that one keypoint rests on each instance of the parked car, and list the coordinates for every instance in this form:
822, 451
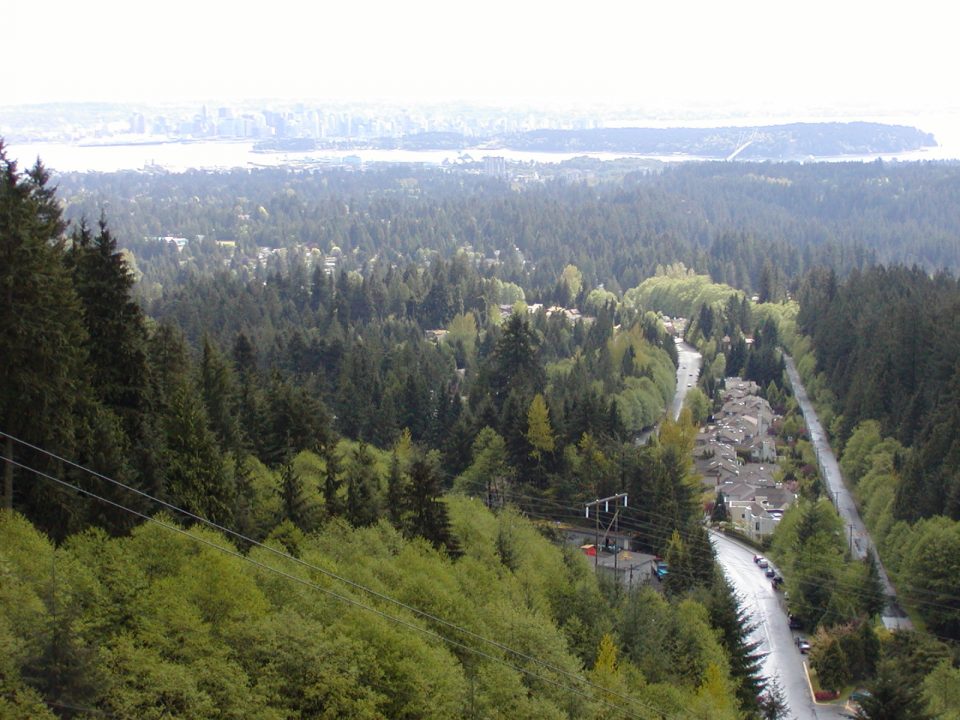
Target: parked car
771, 573
762, 562
795, 623
803, 645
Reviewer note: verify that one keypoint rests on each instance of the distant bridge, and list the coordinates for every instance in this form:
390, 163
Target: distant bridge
743, 143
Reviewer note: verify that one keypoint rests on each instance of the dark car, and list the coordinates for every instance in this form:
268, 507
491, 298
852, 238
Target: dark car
771, 572
795, 623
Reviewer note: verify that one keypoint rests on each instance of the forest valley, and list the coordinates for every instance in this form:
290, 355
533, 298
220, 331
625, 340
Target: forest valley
305, 463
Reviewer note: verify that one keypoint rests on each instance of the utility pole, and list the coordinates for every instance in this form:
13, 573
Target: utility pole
596, 513
8, 474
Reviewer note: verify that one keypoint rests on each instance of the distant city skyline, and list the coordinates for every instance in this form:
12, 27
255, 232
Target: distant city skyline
749, 55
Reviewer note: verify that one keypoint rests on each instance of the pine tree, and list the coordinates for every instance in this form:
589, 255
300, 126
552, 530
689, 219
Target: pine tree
362, 488
892, 697
332, 481
294, 504
196, 477
734, 626
830, 662
42, 337
428, 512
872, 597
396, 490
719, 513
116, 330
218, 386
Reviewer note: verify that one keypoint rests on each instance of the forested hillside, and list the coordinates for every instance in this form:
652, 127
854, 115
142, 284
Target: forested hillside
179, 489
378, 374
884, 361
757, 227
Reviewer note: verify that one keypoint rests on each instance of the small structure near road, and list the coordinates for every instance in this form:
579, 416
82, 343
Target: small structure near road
628, 567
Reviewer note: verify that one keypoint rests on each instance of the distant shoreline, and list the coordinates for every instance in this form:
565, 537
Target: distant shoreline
788, 142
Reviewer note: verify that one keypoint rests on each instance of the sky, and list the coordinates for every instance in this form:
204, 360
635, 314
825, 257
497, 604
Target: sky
747, 53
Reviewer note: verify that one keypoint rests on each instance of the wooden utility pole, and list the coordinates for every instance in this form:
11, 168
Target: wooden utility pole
596, 513
8, 475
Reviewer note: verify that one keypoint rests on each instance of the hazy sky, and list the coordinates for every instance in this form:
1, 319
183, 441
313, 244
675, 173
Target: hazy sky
750, 53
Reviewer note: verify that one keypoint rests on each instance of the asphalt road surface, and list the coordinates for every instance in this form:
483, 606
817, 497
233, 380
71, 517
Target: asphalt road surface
858, 537
783, 660
688, 372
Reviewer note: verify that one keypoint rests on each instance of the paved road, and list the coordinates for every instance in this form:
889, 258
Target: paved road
783, 660
688, 371
858, 537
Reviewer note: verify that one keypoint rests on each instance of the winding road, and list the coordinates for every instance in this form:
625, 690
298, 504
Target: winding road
782, 660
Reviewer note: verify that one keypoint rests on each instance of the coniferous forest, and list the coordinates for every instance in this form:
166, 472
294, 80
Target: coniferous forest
309, 462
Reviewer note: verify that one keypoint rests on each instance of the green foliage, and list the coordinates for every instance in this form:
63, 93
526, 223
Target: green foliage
830, 662
810, 547
699, 405
930, 566
539, 432
489, 473
733, 625
41, 331
677, 294
891, 698
941, 688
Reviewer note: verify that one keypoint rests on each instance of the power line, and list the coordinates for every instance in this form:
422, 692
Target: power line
346, 599
649, 526
426, 615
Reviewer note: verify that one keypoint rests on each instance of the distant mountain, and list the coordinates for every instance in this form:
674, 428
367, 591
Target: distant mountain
771, 142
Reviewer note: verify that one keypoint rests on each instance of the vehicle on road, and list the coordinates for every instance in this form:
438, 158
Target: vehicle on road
762, 562
803, 645
661, 570
795, 623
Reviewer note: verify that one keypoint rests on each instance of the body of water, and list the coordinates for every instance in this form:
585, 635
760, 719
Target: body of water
225, 154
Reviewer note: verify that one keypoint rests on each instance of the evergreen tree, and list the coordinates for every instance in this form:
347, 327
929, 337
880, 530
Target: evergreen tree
294, 505
362, 488
332, 481
396, 490
514, 366
719, 513
218, 386
249, 398
116, 332
428, 512
872, 597
830, 662
772, 702
730, 619
196, 478
42, 337
891, 697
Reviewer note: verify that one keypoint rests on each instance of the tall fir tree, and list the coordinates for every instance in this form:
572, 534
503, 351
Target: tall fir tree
428, 513
42, 339
362, 488
116, 330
